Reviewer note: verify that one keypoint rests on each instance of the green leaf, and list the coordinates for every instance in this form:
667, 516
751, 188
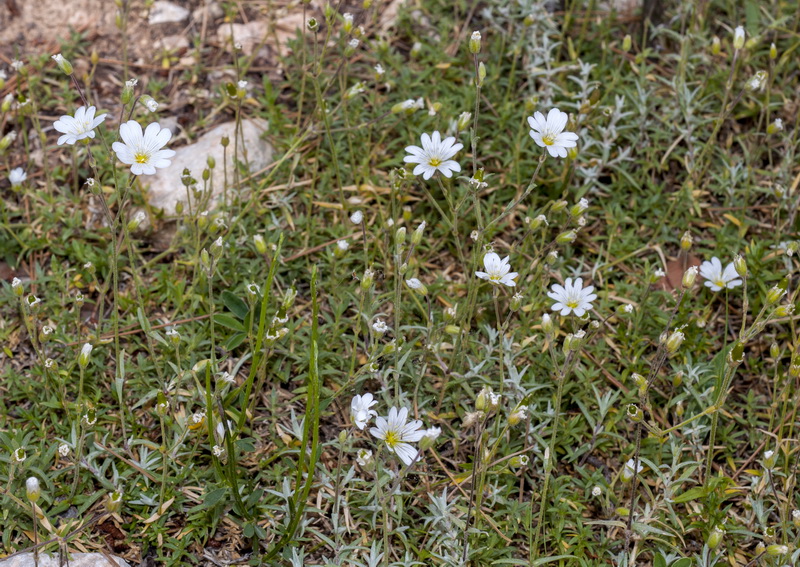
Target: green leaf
659, 561
685, 562
691, 494
228, 321
237, 306
213, 497
235, 341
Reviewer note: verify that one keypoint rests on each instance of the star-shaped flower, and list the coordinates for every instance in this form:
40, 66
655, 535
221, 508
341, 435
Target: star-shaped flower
435, 154
497, 271
718, 279
549, 132
572, 297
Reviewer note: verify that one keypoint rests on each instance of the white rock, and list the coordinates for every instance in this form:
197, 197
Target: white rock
166, 188
249, 35
75, 560
166, 13
211, 10
173, 43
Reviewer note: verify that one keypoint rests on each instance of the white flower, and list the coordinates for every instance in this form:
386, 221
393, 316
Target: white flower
130, 83
380, 326
360, 412
353, 43
414, 283
80, 126
363, 457
357, 217
32, 488
432, 433
151, 104
717, 278
253, 289
17, 176
434, 155
218, 451
549, 133
397, 433
738, 37
628, 471
16, 64
142, 151
497, 271
597, 491
572, 297
343, 245
379, 70
222, 430
63, 450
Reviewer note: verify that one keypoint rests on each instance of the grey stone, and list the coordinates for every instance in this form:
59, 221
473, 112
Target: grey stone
167, 13
166, 188
75, 560
249, 35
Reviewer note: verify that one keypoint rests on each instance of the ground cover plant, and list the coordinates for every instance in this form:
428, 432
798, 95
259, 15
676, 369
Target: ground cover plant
518, 288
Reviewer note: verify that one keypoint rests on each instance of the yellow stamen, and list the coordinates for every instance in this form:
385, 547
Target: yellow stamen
392, 438
140, 158
572, 304
435, 162
548, 139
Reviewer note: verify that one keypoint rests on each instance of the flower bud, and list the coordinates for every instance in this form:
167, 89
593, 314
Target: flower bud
368, 279
773, 52
348, 23
399, 239
114, 502
626, 43
776, 550
482, 401
769, 459
417, 286
216, 248
774, 351
137, 220
567, 237
519, 462
63, 64
738, 37
796, 518
674, 341
85, 355
32, 489
775, 127
686, 241
416, 237
261, 244
149, 102
429, 438
716, 46
518, 415
736, 354
689, 277
784, 310
452, 330
351, 47
774, 294
475, 42
715, 537
16, 287
579, 208
757, 82
127, 91
464, 120
312, 24
481, 73
516, 302
628, 471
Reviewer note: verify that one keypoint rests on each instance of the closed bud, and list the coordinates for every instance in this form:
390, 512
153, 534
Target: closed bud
775, 126
464, 120
674, 341
567, 237
677, 380
715, 537
216, 248
774, 294
416, 237
518, 415
63, 64
225, 141
516, 302
626, 43
551, 257
453, 330
773, 51
85, 355
679, 409
136, 221
482, 401
784, 310
776, 550
348, 23
579, 208
538, 221
774, 351
32, 489
738, 37
796, 518
260, 243
114, 502
769, 459
559, 206
16, 287
399, 239
475, 42
481, 73
686, 241
417, 286
342, 436
429, 437
368, 279
149, 102
205, 259
716, 46
689, 277
547, 324
127, 91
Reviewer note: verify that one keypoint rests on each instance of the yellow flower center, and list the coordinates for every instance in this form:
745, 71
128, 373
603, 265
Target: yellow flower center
572, 304
494, 277
549, 139
435, 162
392, 438
721, 283
141, 158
